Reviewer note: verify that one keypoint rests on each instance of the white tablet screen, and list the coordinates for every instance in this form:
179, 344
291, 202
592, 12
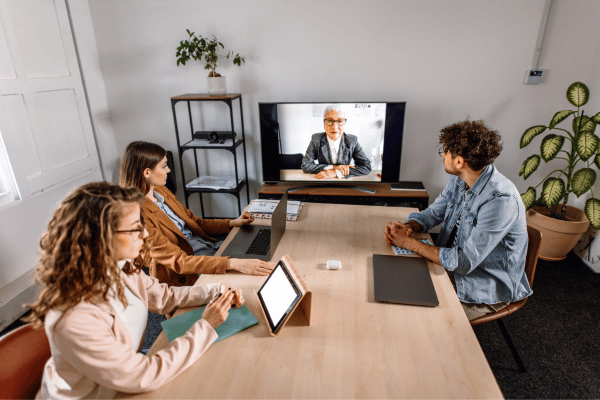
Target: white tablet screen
278, 295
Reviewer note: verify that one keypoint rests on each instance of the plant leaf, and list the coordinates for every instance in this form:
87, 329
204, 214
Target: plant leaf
596, 118
579, 124
586, 145
553, 191
529, 197
592, 211
597, 161
531, 133
551, 145
559, 117
529, 166
583, 180
588, 126
578, 94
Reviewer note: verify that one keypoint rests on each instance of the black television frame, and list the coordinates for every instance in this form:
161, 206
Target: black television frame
392, 139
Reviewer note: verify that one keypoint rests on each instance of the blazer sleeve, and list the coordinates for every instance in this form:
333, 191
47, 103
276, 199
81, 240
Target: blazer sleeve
85, 339
163, 299
362, 165
312, 154
169, 254
209, 226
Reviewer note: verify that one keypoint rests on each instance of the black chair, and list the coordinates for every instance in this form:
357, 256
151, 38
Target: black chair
290, 161
171, 182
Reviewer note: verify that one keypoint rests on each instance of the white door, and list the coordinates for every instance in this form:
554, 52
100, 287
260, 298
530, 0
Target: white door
44, 118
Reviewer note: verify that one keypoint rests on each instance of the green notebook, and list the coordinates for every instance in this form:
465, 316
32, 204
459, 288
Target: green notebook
238, 320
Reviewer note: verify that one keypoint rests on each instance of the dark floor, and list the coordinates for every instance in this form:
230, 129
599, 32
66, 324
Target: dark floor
557, 334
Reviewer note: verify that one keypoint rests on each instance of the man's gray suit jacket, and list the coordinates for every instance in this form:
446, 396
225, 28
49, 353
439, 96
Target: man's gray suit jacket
318, 149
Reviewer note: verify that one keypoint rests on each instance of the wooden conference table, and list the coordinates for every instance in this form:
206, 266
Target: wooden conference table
354, 347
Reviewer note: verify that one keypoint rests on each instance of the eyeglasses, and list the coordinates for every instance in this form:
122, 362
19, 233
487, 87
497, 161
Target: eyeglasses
140, 231
340, 122
442, 151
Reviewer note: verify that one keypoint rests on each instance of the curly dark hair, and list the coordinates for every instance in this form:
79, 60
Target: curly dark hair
77, 251
473, 141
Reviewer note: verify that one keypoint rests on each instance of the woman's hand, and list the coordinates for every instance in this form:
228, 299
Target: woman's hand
238, 297
217, 311
344, 169
243, 219
250, 266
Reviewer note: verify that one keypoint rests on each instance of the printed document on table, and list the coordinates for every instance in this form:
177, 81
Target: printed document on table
268, 206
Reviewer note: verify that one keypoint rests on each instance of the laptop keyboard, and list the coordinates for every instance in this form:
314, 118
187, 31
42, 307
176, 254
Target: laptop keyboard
261, 243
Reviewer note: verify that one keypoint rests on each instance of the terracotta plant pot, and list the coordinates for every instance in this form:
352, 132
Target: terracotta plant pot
558, 236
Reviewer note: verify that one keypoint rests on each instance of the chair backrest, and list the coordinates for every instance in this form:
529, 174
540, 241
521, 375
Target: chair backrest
171, 182
533, 250
291, 161
23, 354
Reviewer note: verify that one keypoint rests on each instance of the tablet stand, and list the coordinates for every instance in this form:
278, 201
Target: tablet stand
302, 307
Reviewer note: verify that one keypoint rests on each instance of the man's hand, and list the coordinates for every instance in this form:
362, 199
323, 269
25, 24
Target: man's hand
397, 233
344, 169
243, 219
250, 266
326, 174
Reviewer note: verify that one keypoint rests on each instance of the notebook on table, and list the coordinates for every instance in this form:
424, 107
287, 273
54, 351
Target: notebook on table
238, 320
403, 280
258, 241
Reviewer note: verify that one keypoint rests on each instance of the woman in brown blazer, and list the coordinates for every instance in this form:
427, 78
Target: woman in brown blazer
181, 244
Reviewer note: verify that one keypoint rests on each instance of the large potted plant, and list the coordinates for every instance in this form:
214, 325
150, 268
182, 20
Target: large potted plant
198, 48
562, 225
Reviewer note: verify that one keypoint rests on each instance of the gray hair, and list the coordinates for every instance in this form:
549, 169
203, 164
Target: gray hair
335, 108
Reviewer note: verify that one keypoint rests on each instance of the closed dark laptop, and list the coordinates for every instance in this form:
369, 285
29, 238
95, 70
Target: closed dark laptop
243, 240
403, 280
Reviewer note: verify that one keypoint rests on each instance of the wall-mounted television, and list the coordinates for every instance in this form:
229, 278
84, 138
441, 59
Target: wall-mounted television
296, 141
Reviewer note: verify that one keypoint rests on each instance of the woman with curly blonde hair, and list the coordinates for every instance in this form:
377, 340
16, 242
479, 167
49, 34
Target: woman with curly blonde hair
94, 300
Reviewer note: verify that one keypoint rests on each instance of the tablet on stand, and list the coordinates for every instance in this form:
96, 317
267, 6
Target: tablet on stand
283, 294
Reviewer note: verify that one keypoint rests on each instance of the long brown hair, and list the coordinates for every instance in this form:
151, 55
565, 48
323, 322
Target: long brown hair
137, 157
78, 257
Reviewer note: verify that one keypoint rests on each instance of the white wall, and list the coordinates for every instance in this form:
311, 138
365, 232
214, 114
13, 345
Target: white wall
447, 59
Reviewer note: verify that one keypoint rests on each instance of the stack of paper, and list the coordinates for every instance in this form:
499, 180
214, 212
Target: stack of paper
264, 209
213, 182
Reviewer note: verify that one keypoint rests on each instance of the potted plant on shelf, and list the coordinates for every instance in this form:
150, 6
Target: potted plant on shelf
562, 225
198, 48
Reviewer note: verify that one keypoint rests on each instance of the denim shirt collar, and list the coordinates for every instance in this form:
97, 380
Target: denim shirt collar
480, 183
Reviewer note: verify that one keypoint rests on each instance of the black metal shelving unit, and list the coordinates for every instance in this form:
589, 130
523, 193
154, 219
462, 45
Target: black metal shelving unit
200, 141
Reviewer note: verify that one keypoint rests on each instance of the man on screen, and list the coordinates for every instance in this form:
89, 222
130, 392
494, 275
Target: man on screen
483, 238
330, 153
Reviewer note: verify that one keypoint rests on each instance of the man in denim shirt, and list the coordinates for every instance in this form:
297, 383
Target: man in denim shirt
483, 238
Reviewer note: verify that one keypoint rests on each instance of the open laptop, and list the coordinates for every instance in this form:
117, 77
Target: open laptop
403, 280
259, 241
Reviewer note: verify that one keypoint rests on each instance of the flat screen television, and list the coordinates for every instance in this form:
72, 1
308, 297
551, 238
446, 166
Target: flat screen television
294, 141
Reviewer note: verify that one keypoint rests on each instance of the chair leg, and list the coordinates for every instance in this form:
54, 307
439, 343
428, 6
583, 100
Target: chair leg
510, 343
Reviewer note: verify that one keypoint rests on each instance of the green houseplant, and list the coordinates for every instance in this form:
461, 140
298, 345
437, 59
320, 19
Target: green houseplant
572, 177
199, 48
576, 174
